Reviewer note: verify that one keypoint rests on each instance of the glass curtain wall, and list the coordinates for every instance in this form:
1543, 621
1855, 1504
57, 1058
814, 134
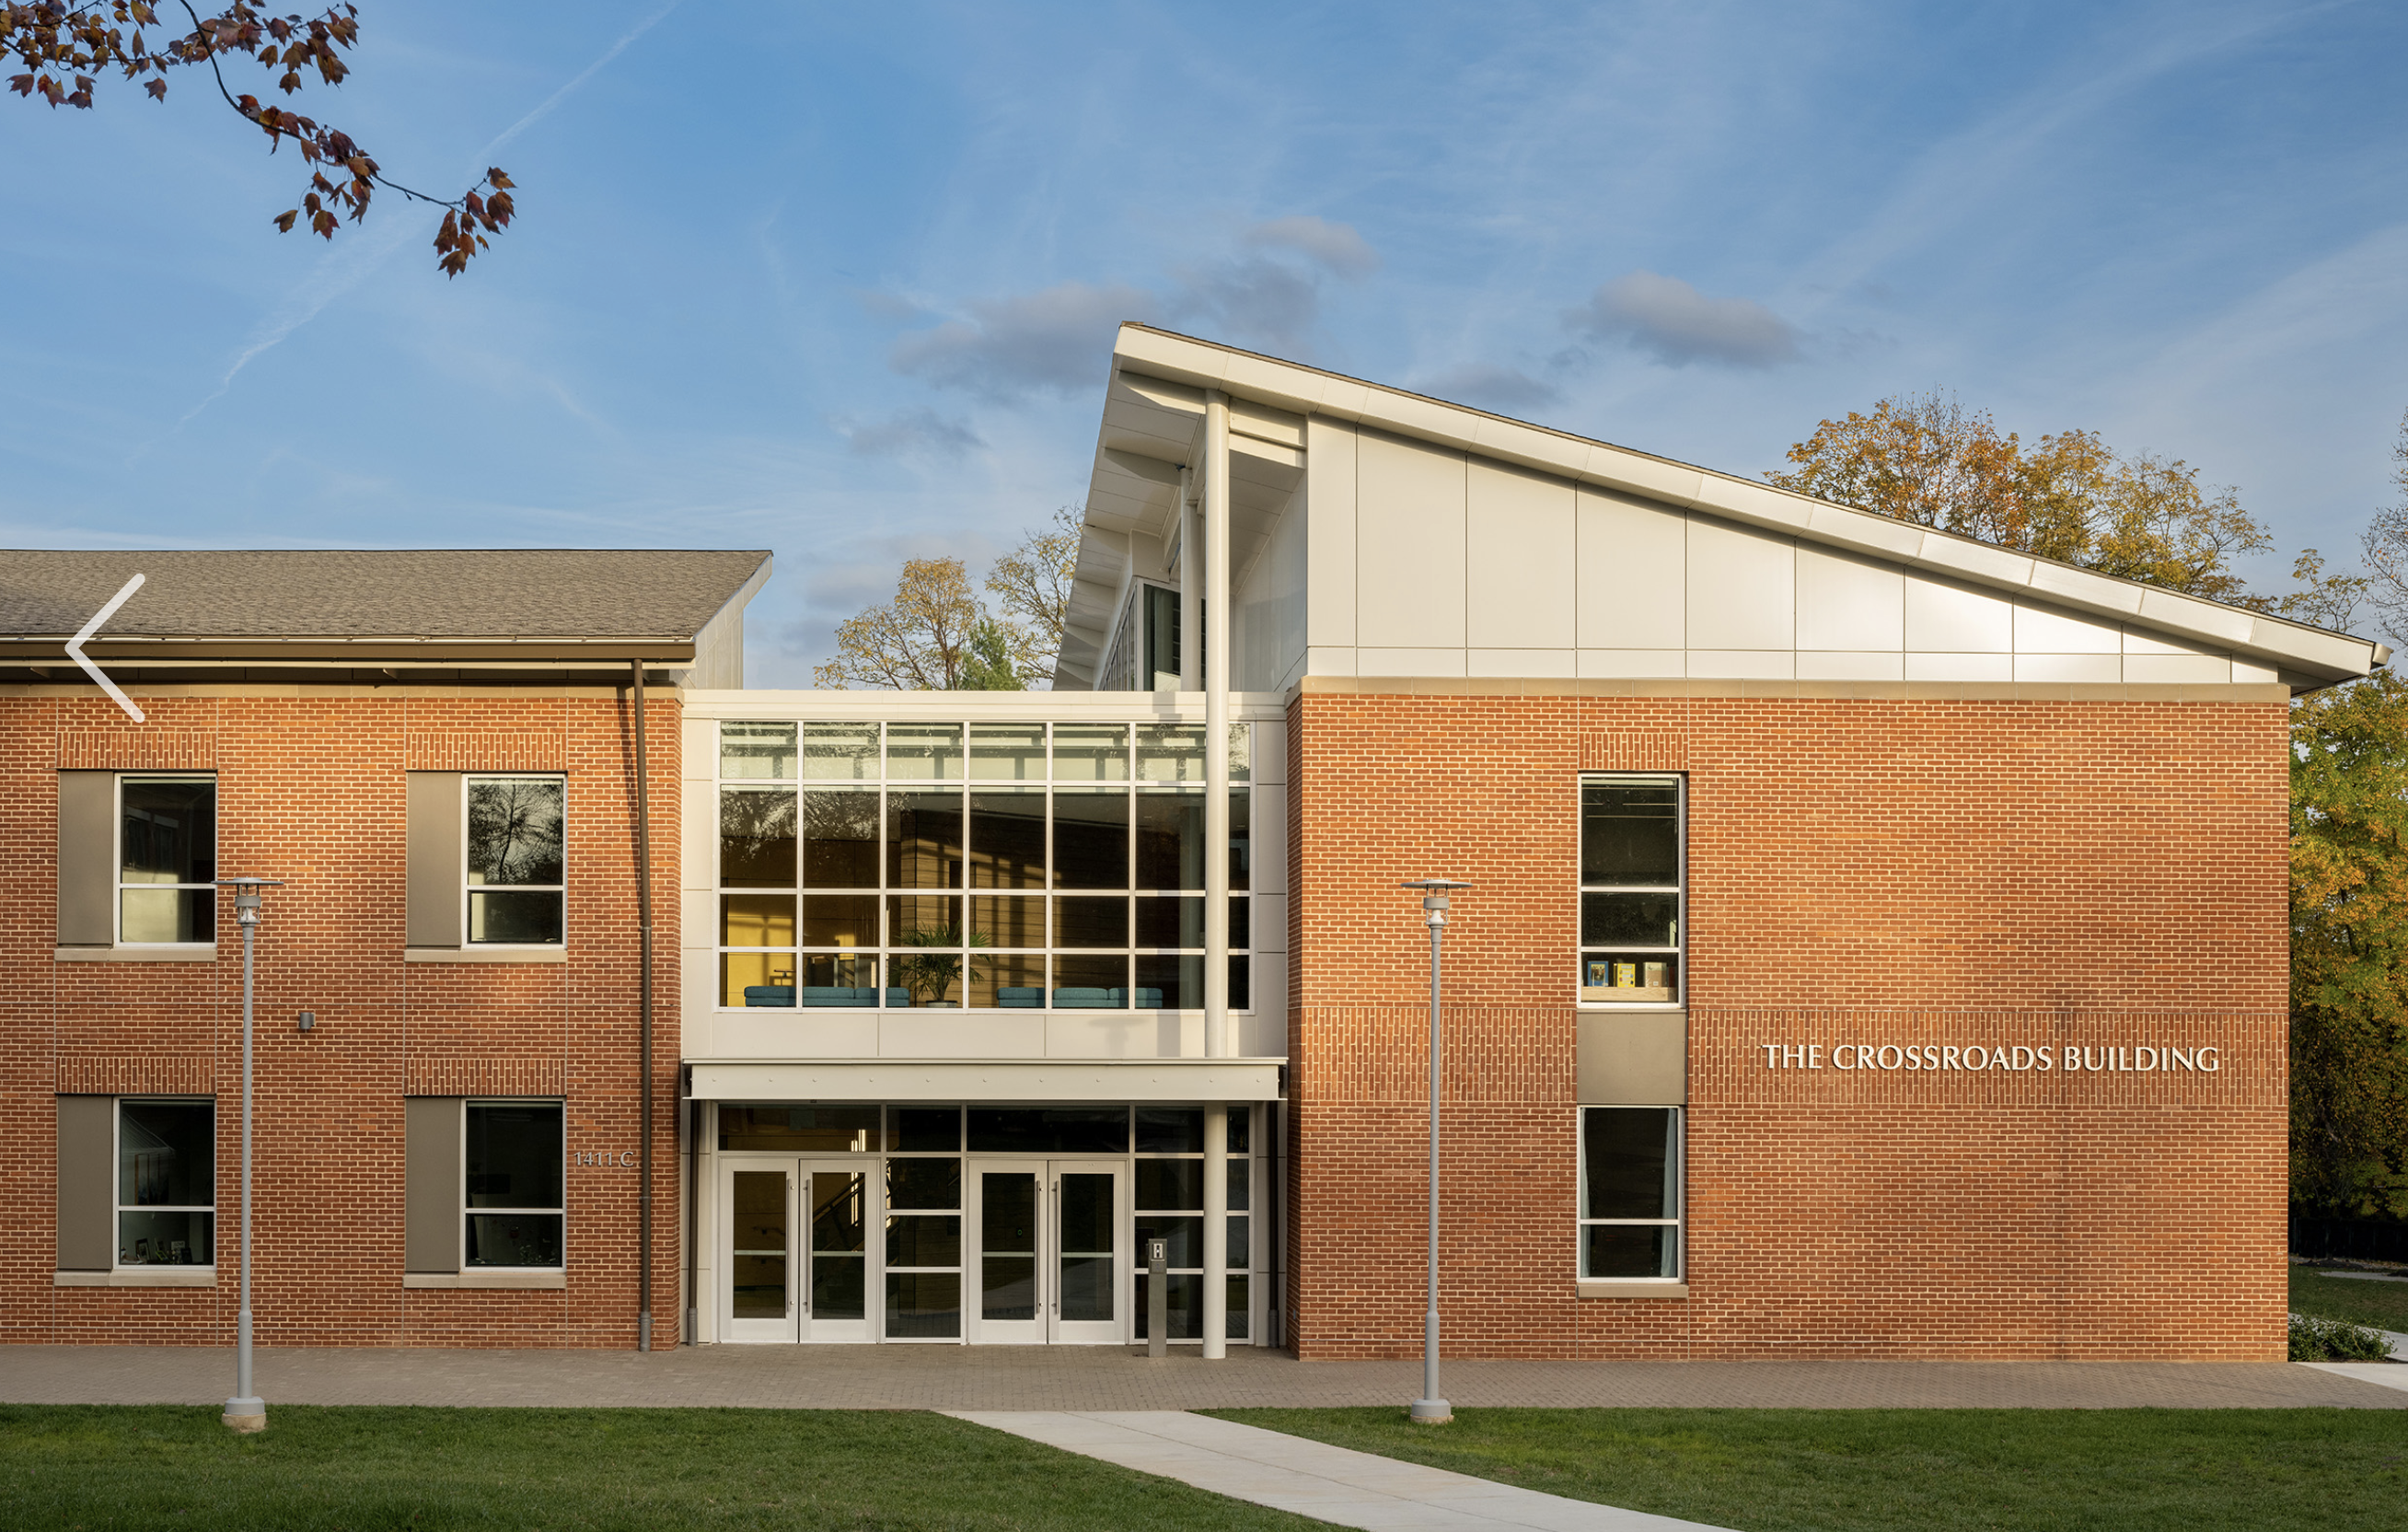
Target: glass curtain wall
987, 866
1170, 1207
923, 1149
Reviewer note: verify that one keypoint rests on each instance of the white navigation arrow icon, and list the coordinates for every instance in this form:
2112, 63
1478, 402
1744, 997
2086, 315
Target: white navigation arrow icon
83, 636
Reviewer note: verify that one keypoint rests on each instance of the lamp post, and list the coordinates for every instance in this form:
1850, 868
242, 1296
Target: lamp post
1431, 1409
246, 1410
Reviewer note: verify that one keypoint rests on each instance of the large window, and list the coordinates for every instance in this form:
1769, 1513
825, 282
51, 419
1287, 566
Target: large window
1630, 1192
167, 860
514, 1164
166, 1182
1170, 1207
1001, 866
1632, 917
924, 1225
931, 1274
515, 860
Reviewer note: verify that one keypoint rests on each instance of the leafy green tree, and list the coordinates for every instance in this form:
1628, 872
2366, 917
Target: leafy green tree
2349, 947
991, 666
66, 47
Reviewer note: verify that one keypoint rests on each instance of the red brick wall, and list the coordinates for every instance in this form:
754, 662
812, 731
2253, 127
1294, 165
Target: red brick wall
1987, 872
311, 789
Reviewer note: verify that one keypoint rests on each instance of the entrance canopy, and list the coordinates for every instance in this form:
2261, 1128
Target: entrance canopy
996, 1080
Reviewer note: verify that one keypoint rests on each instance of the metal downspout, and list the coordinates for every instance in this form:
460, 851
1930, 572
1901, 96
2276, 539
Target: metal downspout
644, 1012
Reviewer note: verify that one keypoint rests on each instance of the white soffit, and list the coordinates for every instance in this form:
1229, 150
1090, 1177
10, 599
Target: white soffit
997, 1079
1154, 403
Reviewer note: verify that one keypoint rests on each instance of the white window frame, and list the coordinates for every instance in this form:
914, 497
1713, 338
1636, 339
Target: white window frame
1678, 1223
467, 889
467, 1210
1678, 952
118, 1207
887, 950
1257, 1275
118, 885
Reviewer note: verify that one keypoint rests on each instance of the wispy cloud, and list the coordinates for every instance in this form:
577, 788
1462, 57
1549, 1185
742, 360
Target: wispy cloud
920, 433
364, 250
1058, 339
1504, 390
1273, 299
1337, 246
1677, 324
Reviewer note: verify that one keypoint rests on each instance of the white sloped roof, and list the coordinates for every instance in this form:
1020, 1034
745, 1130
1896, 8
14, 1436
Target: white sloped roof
1148, 428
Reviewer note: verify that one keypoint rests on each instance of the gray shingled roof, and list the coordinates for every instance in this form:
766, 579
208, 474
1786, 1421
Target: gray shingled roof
450, 593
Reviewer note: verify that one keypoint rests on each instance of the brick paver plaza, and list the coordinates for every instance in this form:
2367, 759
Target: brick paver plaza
989, 1378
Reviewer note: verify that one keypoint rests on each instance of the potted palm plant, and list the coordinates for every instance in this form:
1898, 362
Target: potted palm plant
929, 975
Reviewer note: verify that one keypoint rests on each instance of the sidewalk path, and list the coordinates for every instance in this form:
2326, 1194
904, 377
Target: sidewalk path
2382, 1374
1107, 1378
1311, 1478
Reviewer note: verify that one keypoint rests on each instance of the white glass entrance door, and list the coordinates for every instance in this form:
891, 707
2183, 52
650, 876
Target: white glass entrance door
761, 1303
840, 1213
1090, 1255
1007, 1199
1049, 1262
801, 1252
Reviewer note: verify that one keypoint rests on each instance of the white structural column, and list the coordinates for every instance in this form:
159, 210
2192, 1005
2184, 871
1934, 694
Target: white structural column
1190, 584
1216, 1229
1215, 623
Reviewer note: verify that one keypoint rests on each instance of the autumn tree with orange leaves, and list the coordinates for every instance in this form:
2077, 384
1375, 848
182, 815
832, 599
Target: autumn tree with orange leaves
1928, 459
66, 50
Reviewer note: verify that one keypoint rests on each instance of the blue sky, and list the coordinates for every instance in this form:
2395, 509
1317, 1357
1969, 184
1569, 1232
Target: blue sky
841, 281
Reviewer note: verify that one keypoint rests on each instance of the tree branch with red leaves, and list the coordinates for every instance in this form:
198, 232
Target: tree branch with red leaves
65, 47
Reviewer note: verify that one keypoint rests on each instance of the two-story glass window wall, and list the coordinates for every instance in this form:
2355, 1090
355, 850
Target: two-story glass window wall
990, 865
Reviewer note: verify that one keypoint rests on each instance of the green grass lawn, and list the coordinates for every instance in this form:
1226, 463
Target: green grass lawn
2064, 1470
97, 1468
2383, 1305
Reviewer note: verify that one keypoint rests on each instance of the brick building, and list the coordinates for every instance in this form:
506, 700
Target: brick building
1876, 944
435, 751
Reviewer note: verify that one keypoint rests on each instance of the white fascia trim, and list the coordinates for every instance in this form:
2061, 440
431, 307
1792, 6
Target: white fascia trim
990, 1080
1307, 391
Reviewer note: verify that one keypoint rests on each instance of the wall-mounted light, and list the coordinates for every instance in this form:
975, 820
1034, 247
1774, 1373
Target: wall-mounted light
306, 1019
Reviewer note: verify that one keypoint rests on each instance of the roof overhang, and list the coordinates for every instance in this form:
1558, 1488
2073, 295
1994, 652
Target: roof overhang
988, 1079
220, 651
1153, 412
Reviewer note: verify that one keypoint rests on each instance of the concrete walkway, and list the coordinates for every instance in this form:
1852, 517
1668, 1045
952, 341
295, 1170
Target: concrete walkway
1310, 1478
2382, 1374
989, 1378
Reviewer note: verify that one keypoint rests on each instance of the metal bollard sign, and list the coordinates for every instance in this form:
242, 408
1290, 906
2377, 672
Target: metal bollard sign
1157, 1256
